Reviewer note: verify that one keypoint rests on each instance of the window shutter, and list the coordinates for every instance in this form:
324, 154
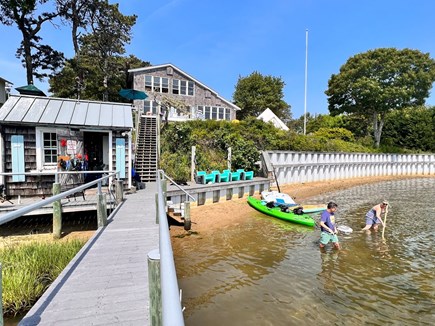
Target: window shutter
120, 157
17, 144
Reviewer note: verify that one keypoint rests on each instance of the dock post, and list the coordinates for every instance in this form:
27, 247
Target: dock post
119, 192
157, 208
1, 297
154, 287
57, 213
101, 207
187, 222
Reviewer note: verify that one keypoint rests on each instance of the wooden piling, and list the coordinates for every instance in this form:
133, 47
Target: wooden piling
119, 192
1, 297
154, 287
101, 210
157, 208
187, 222
57, 213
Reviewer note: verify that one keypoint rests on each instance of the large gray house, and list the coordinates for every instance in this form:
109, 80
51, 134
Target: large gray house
185, 98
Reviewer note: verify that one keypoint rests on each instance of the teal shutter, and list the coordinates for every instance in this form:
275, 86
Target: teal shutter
17, 144
120, 157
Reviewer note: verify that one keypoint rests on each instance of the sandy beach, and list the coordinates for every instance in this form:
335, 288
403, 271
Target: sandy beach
208, 218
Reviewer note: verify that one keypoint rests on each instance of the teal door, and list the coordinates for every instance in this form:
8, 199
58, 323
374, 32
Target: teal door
120, 157
17, 144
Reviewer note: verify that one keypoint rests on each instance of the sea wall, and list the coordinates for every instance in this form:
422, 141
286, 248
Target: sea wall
298, 167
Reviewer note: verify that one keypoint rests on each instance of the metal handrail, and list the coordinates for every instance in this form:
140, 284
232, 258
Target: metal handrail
172, 314
177, 185
20, 212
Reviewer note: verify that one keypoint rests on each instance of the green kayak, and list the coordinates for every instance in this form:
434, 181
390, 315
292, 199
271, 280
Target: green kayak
260, 206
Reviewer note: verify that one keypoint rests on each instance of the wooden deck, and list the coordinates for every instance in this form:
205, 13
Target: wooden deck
107, 282
72, 204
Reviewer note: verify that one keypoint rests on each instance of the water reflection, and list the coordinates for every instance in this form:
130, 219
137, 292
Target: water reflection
269, 272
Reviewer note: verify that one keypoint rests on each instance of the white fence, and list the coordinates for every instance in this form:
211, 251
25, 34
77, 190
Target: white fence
297, 167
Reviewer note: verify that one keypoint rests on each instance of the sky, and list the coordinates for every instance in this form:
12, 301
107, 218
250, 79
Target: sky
219, 41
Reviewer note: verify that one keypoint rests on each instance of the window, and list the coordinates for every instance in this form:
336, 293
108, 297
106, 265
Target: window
50, 147
221, 113
165, 85
190, 88
207, 112
227, 114
183, 87
146, 106
157, 84
151, 106
155, 107
214, 113
148, 83
175, 86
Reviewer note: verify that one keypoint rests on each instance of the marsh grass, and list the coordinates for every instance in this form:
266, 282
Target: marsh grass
29, 269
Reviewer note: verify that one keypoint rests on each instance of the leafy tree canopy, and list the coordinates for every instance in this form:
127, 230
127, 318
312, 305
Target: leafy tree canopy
38, 59
256, 92
379, 81
67, 84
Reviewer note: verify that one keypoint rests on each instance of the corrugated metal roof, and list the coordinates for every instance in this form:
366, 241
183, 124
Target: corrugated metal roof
58, 111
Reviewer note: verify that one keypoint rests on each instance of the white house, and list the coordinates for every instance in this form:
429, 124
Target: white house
269, 116
3, 84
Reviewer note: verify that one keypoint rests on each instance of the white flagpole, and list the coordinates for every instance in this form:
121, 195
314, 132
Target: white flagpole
306, 77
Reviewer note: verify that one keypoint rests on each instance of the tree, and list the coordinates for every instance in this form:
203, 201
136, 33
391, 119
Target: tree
67, 84
411, 128
111, 30
37, 58
379, 81
256, 93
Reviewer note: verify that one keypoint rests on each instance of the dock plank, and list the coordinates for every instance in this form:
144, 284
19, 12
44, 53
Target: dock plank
107, 282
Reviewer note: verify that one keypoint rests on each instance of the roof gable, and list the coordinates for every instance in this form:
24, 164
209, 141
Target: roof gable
181, 72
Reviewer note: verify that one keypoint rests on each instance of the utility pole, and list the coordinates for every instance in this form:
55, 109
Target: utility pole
306, 77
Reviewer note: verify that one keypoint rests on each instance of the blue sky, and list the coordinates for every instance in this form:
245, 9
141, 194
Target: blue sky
216, 41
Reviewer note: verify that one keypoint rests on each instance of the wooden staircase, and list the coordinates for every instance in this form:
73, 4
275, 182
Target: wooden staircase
146, 149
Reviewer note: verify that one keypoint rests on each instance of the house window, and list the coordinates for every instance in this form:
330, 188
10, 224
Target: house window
183, 88
207, 112
221, 113
227, 114
157, 84
214, 113
175, 86
151, 106
50, 147
146, 106
190, 88
165, 85
148, 83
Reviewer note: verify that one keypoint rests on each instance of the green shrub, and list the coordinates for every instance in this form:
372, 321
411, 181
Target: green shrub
335, 133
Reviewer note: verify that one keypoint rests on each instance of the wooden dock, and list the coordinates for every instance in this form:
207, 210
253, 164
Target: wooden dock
107, 282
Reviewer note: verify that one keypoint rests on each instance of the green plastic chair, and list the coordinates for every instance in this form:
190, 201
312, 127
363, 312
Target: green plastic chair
235, 176
203, 177
246, 175
224, 176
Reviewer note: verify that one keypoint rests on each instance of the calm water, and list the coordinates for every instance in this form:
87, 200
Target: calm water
268, 272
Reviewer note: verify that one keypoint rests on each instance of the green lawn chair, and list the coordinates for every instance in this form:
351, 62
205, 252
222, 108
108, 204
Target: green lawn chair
203, 178
246, 175
217, 175
235, 176
224, 177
